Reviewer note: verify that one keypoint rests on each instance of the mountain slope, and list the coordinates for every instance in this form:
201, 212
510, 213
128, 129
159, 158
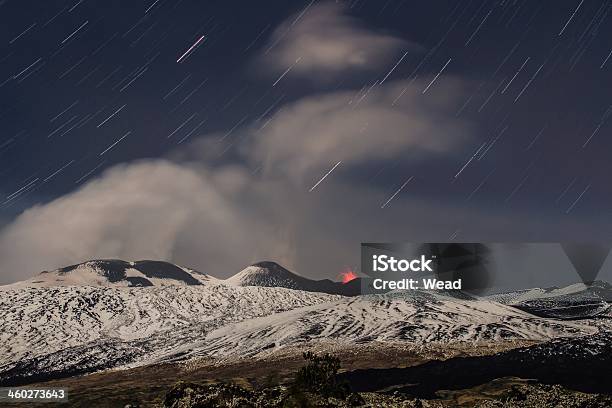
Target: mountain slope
581, 363
63, 331
118, 273
271, 274
576, 301
414, 317
71, 329
114, 272
88, 317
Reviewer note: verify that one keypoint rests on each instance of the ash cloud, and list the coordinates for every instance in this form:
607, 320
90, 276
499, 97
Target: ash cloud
326, 41
382, 123
219, 216
218, 206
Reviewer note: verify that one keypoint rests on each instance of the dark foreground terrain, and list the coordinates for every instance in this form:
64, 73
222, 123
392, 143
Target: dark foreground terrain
560, 373
505, 393
582, 364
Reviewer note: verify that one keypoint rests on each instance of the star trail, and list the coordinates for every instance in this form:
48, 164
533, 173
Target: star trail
483, 106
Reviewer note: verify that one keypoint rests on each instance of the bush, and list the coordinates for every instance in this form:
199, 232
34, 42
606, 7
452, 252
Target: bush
319, 376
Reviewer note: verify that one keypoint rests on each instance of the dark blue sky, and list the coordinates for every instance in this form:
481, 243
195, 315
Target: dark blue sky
536, 92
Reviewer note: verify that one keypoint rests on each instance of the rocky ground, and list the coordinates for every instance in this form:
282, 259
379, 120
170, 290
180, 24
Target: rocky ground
147, 385
189, 395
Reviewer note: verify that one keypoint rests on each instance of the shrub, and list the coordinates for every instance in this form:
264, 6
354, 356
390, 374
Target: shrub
319, 376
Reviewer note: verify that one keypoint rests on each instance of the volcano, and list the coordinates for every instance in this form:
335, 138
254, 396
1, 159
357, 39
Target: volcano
115, 272
271, 274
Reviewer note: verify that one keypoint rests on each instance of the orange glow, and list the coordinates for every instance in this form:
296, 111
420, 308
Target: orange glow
348, 276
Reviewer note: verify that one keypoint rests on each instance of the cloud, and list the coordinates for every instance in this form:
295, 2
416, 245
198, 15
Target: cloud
325, 41
218, 214
220, 219
377, 123
144, 210
218, 208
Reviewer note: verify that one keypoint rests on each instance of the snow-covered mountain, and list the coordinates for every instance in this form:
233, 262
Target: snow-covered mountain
414, 318
115, 272
271, 274
118, 273
89, 317
68, 330
571, 302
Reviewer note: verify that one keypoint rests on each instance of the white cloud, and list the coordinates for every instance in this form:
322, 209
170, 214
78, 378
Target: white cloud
219, 220
136, 211
310, 135
216, 216
327, 41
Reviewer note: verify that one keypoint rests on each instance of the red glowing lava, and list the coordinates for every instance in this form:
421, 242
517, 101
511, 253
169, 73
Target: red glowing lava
348, 276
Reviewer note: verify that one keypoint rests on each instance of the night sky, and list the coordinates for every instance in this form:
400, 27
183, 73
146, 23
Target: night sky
292, 130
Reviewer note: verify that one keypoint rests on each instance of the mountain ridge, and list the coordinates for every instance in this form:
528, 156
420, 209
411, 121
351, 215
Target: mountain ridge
71, 329
61, 331
577, 301
117, 272
120, 273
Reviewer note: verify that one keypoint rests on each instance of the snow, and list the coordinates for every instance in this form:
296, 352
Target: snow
105, 273
261, 276
87, 317
70, 327
61, 323
598, 290
383, 319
